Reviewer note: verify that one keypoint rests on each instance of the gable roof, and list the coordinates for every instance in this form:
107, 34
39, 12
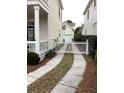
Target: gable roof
88, 5
65, 23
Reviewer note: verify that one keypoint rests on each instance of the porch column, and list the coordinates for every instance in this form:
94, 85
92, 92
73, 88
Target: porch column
37, 28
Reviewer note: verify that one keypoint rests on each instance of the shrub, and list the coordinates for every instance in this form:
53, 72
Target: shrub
50, 53
80, 37
32, 58
93, 46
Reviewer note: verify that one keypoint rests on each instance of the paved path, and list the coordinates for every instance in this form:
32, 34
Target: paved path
71, 80
33, 76
81, 46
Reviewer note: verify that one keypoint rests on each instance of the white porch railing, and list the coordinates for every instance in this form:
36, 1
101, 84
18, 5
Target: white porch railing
30, 46
43, 46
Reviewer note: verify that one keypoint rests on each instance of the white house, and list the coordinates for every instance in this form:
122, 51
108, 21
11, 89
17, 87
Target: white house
44, 21
68, 29
90, 18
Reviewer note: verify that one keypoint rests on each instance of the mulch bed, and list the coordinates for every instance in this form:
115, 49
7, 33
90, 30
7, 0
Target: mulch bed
31, 68
47, 82
89, 82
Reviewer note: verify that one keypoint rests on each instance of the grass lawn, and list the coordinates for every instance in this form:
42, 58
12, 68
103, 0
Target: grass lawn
46, 83
89, 82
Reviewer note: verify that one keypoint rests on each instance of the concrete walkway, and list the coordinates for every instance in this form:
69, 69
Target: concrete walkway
71, 80
33, 76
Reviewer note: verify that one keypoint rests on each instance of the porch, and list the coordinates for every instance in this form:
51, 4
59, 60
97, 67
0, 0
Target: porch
37, 26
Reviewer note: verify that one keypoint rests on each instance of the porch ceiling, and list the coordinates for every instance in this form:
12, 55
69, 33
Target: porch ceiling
30, 11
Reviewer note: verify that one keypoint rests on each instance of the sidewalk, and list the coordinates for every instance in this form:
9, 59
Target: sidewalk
71, 80
33, 76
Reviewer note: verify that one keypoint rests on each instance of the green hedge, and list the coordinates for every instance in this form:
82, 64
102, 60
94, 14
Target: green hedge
80, 37
32, 58
92, 46
50, 53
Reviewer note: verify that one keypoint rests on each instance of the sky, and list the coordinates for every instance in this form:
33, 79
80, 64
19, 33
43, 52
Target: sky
73, 10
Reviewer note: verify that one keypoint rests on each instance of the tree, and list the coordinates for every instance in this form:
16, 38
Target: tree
78, 30
69, 21
78, 34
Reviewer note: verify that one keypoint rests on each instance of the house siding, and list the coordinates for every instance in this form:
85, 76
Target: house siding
54, 23
43, 27
91, 23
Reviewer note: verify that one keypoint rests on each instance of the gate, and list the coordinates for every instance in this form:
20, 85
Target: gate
74, 47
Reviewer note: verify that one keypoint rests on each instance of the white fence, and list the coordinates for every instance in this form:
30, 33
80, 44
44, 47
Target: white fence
81, 48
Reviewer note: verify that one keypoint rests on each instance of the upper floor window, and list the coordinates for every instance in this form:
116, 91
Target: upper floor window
64, 27
59, 13
94, 3
88, 15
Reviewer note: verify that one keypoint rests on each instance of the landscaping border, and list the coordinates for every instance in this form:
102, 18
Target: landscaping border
89, 82
47, 82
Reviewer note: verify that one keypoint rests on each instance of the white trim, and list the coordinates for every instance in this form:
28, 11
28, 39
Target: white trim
36, 7
37, 28
32, 2
30, 42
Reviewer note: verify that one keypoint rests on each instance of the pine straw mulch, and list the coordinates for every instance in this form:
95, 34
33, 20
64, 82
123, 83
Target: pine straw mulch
47, 82
89, 82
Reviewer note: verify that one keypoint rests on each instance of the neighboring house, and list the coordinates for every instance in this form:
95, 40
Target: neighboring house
44, 22
68, 29
90, 18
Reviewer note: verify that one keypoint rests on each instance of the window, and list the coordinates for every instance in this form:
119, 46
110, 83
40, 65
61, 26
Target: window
64, 27
88, 15
94, 3
59, 13
30, 33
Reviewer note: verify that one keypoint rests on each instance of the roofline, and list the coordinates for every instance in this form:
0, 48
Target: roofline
61, 5
89, 3
68, 25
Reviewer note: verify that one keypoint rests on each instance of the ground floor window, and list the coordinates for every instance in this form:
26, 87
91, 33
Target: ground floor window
30, 33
